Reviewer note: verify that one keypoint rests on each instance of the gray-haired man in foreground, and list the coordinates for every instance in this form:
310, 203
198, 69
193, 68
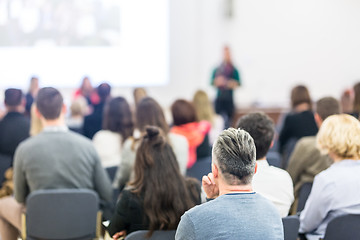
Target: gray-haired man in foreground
236, 212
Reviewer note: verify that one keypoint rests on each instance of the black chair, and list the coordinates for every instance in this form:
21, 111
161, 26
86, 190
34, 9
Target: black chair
200, 168
303, 195
157, 235
291, 227
5, 164
61, 214
343, 227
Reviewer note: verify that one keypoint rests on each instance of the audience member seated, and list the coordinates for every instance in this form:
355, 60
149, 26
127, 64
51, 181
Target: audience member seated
237, 212
306, 160
205, 111
93, 122
87, 91
300, 121
36, 125
31, 94
149, 113
139, 93
347, 101
159, 194
273, 183
356, 107
335, 191
117, 127
78, 109
14, 127
55, 158
197, 133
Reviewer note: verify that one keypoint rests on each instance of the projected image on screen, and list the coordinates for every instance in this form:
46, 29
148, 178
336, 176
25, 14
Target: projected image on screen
63, 40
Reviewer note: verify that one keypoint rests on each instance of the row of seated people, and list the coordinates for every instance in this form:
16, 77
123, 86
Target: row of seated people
268, 180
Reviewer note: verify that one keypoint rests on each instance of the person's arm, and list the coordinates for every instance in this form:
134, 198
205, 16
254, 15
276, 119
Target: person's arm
119, 220
235, 81
185, 229
317, 206
296, 163
21, 189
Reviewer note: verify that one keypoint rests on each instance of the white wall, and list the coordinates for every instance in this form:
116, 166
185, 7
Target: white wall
276, 44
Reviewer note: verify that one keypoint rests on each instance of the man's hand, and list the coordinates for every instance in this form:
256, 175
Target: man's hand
232, 84
119, 235
209, 186
220, 81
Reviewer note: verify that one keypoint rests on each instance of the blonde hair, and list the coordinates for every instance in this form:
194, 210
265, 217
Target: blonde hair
340, 135
203, 107
79, 107
35, 124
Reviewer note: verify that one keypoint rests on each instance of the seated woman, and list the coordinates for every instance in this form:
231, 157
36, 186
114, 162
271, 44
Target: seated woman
186, 124
205, 111
159, 194
335, 191
117, 127
150, 113
300, 122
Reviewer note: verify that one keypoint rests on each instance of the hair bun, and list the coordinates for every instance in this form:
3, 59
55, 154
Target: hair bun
152, 131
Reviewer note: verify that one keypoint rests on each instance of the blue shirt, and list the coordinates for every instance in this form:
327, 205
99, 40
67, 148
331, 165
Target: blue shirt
335, 192
232, 216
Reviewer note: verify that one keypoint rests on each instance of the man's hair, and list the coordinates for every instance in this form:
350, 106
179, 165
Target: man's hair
49, 102
103, 91
234, 154
327, 106
261, 129
13, 97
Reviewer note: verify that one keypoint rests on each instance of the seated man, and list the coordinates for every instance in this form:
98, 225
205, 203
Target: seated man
271, 182
306, 161
14, 127
237, 212
55, 158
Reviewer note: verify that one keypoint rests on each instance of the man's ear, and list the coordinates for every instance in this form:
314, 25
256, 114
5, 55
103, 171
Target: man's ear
256, 166
318, 119
38, 114
214, 170
63, 109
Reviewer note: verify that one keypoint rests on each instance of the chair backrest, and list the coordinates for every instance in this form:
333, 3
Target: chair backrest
62, 214
200, 168
303, 195
5, 164
111, 171
291, 227
157, 235
343, 227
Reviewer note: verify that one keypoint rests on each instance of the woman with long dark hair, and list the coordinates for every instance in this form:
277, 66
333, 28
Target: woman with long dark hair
117, 127
159, 195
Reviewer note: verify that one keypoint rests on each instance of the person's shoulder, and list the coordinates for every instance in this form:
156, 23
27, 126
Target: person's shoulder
280, 172
307, 141
175, 137
78, 138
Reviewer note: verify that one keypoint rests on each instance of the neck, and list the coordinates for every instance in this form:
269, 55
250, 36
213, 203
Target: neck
18, 109
302, 107
225, 188
53, 122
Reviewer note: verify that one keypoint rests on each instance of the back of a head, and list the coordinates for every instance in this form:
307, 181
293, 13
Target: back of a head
103, 91
49, 103
340, 135
327, 106
139, 93
13, 97
155, 164
299, 95
203, 106
261, 129
118, 117
183, 112
79, 107
149, 112
234, 154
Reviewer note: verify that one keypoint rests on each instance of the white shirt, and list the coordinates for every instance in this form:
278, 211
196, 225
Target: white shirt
335, 192
275, 184
108, 145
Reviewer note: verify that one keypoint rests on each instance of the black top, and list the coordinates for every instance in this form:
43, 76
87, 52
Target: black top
14, 128
130, 215
93, 122
296, 126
